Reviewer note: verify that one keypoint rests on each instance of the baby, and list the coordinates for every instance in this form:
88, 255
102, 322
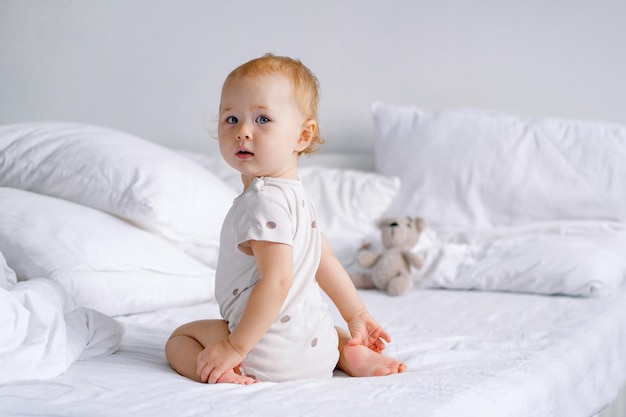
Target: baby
273, 257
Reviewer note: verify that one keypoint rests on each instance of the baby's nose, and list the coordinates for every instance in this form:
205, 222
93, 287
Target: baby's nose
244, 132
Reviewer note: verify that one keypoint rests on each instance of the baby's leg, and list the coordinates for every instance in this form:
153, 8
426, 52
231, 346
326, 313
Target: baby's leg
186, 342
359, 360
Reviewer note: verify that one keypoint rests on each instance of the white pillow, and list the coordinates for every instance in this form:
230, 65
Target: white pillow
586, 265
102, 261
147, 184
349, 203
465, 169
216, 164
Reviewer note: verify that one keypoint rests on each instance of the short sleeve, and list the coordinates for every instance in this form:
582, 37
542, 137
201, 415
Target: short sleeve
263, 215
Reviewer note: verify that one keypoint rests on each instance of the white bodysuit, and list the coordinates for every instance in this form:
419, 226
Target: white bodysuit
302, 342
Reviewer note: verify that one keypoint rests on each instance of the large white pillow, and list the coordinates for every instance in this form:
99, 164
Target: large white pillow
147, 184
476, 169
102, 261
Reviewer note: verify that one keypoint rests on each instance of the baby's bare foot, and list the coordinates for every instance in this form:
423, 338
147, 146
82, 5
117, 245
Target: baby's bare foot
361, 361
231, 377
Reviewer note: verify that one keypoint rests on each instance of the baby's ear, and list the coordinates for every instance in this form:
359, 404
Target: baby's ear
309, 127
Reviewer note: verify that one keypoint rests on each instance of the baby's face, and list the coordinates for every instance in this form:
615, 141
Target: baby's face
260, 126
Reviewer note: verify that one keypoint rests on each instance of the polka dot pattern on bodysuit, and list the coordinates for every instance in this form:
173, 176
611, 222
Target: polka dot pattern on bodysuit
271, 225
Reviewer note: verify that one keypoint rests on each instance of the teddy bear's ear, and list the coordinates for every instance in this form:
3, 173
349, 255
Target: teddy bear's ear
420, 224
383, 222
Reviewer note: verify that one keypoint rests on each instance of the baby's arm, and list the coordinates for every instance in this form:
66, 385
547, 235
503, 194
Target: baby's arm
274, 262
336, 282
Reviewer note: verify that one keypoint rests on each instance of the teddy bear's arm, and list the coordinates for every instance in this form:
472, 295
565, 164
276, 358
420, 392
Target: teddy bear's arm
368, 259
413, 259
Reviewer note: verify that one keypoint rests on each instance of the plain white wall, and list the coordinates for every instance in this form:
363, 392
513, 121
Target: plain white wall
154, 67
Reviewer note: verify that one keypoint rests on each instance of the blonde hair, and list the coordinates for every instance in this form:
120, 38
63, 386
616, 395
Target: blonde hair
305, 86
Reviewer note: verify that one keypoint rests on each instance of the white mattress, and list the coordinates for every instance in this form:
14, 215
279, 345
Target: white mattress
468, 354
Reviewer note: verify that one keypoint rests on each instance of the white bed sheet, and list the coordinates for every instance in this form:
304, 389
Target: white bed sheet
468, 354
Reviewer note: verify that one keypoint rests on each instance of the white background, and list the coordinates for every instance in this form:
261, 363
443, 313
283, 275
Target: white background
155, 67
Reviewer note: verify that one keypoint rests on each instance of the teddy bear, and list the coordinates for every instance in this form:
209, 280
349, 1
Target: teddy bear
390, 269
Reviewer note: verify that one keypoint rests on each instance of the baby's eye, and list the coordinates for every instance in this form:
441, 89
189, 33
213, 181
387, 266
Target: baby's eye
262, 120
231, 120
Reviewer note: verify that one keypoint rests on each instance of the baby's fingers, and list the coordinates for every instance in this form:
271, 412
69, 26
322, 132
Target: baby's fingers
384, 335
203, 372
203, 368
210, 374
379, 345
214, 376
378, 340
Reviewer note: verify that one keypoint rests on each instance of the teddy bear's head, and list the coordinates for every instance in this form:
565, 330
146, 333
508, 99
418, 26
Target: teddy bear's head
401, 231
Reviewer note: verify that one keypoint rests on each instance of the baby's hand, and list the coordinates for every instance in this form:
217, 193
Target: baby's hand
366, 331
215, 360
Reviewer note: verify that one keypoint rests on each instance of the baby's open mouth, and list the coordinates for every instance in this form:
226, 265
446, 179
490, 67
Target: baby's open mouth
243, 153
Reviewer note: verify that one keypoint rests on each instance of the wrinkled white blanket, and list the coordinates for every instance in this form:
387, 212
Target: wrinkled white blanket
42, 333
583, 259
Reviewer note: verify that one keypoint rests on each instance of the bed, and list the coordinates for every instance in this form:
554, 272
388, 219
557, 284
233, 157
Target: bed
109, 241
